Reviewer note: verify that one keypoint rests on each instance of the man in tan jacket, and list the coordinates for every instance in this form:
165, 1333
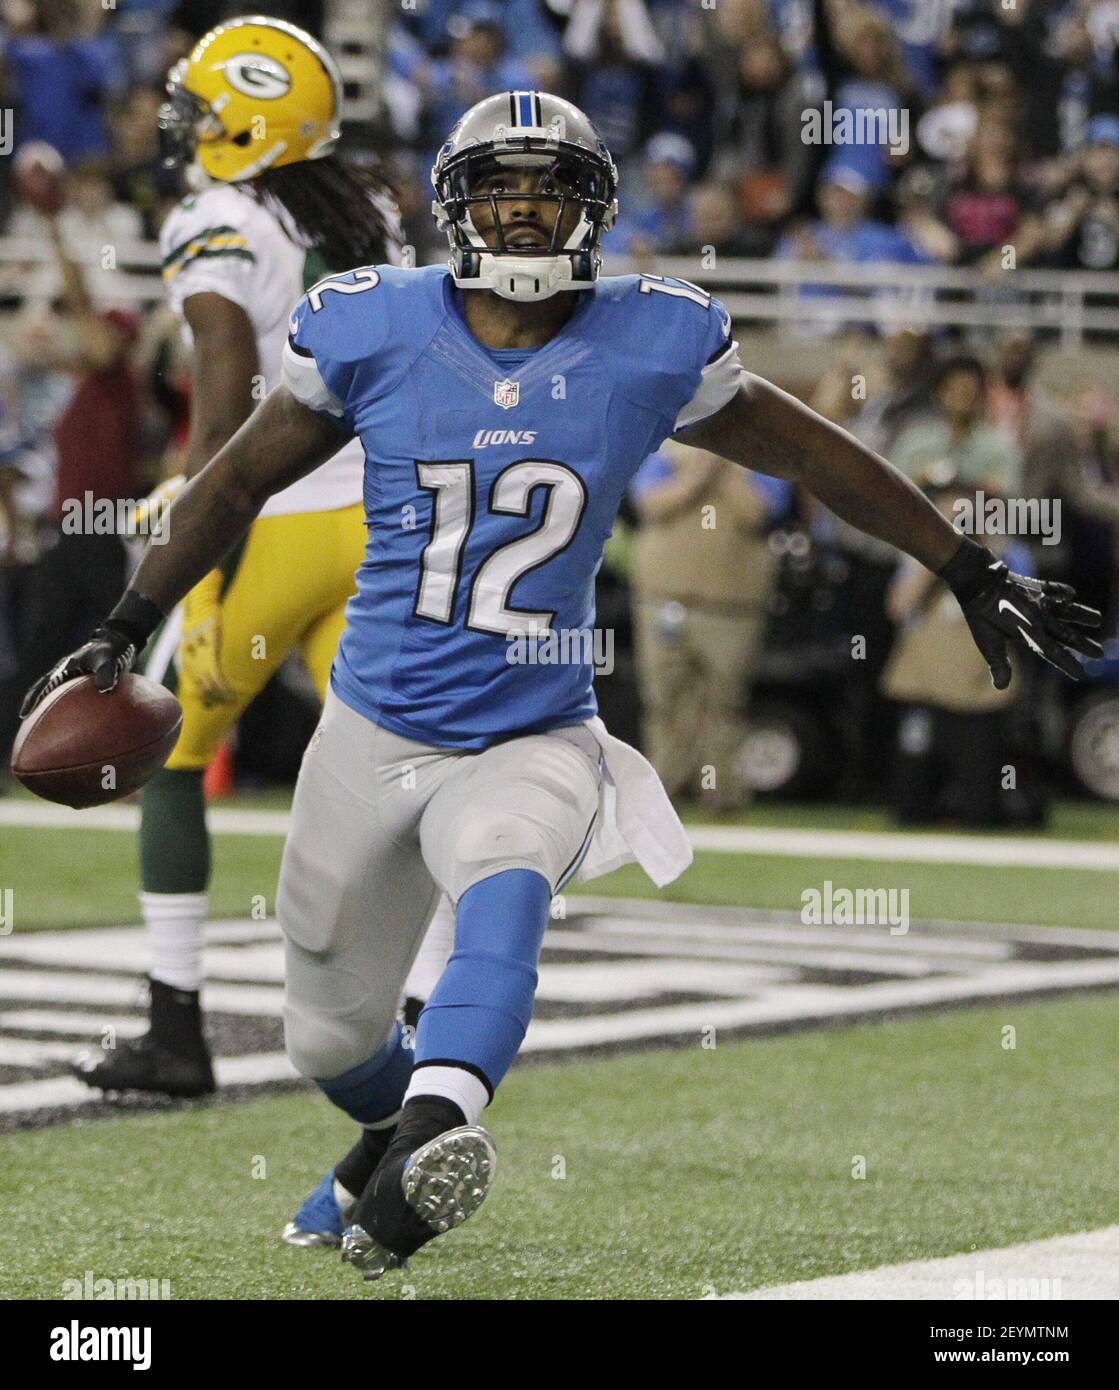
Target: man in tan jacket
952, 747
703, 575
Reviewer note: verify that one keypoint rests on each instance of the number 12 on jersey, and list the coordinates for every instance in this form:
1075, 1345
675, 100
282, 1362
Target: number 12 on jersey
453, 518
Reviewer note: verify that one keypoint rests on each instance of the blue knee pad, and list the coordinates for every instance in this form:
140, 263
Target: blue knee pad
374, 1089
478, 1012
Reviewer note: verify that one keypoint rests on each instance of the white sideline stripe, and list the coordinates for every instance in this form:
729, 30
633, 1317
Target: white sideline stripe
68, 1091
666, 914
77, 1023
796, 933
1087, 1265
769, 955
816, 1001
549, 1035
259, 1001
1013, 850
34, 1052
612, 981
126, 948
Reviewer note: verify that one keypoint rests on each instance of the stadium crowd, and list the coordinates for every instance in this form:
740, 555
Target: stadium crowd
1003, 130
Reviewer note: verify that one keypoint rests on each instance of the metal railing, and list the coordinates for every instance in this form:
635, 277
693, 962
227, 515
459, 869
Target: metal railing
814, 294
794, 295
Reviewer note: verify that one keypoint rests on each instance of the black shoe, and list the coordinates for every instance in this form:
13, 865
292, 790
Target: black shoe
172, 1059
430, 1180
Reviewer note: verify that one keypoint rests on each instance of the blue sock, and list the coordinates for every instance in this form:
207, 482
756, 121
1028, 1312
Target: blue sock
374, 1089
478, 1012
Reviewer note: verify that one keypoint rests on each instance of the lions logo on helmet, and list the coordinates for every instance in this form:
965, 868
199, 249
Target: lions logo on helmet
519, 130
253, 94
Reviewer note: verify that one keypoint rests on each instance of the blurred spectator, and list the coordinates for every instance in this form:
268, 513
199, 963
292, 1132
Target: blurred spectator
92, 224
1092, 523
26, 502
948, 127
846, 234
906, 396
714, 221
476, 67
701, 586
763, 139
662, 221
1082, 225
922, 26
612, 53
864, 70
952, 733
957, 441
62, 69
989, 205
97, 443
530, 32
92, 216
1033, 418
898, 396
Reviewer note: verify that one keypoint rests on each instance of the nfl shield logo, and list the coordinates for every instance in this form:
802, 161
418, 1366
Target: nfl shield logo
506, 394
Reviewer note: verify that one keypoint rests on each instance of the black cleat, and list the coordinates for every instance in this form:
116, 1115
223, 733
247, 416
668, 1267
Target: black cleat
170, 1060
416, 1196
146, 1065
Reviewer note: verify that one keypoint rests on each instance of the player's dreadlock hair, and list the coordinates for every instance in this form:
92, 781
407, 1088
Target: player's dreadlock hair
341, 208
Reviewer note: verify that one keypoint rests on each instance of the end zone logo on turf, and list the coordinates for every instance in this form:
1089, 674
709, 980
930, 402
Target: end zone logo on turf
78, 1343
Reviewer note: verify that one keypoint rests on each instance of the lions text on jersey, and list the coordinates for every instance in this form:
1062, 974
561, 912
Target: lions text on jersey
492, 479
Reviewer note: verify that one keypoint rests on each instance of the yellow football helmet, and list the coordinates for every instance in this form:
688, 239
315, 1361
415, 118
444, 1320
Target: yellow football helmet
253, 94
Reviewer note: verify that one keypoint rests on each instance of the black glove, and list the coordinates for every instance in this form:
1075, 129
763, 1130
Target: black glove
111, 650
1000, 605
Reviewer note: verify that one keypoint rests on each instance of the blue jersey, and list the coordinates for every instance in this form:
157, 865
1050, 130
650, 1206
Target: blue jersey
492, 479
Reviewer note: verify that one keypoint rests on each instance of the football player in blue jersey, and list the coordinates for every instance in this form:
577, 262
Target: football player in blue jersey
503, 403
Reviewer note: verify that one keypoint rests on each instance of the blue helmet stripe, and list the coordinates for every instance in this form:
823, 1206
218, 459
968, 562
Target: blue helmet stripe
524, 115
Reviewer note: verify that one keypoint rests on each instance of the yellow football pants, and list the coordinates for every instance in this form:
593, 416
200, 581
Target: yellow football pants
293, 578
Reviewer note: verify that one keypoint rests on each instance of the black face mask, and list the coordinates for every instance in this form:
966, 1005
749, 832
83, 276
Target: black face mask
580, 182
178, 121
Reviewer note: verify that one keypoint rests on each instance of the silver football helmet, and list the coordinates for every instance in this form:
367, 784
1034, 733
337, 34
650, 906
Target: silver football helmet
518, 130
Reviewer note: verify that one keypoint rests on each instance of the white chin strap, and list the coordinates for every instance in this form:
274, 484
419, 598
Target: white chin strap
523, 278
196, 178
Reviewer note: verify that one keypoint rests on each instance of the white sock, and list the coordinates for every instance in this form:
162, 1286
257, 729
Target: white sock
176, 931
435, 948
452, 1083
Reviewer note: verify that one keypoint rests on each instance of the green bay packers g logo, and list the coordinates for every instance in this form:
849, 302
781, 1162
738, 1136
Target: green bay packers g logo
256, 75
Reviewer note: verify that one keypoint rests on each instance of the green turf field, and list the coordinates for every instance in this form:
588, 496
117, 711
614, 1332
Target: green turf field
685, 1171
64, 878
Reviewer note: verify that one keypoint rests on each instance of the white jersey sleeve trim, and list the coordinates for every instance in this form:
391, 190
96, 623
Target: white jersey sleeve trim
300, 374
719, 382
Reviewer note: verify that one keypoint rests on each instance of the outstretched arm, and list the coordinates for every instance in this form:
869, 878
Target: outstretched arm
277, 444
764, 428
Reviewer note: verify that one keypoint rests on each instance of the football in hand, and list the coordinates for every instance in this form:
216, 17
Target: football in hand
84, 747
